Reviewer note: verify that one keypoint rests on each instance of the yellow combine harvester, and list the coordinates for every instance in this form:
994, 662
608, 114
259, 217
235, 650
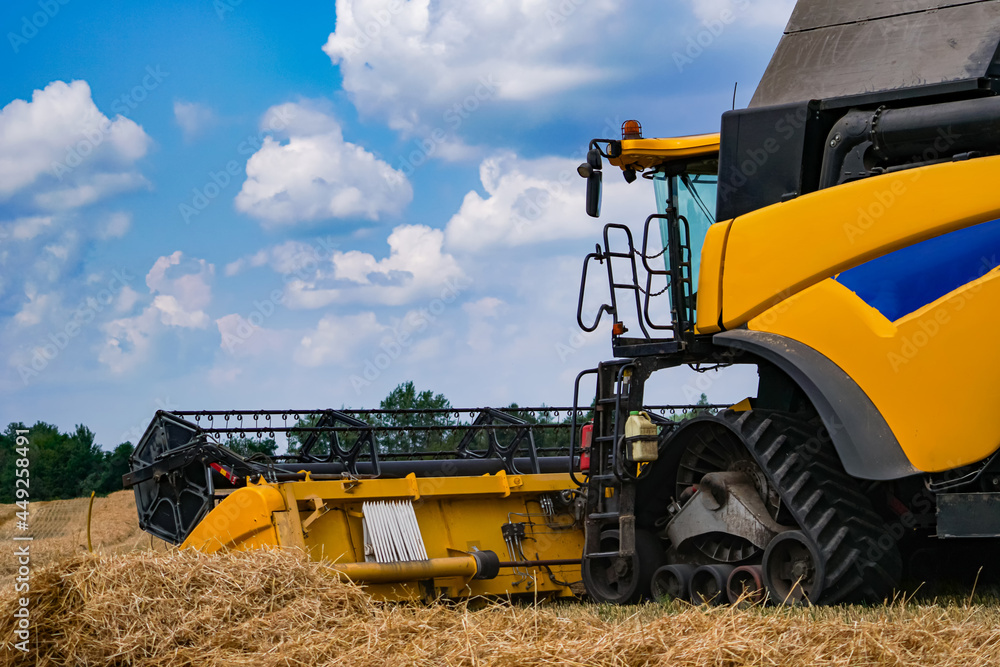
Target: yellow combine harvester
841, 235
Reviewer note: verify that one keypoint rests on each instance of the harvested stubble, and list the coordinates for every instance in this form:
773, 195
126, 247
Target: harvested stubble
59, 529
275, 608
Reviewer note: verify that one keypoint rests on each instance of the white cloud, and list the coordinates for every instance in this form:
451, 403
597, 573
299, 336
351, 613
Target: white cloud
533, 201
25, 229
771, 13
115, 226
174, 314
290, 257
316, 175
193, 118
61, 152
416, 267
244, 338
34, 310
126, 300
335, 339
187, 285
181, 289
409, 61
481, 328
128, 341
483, 308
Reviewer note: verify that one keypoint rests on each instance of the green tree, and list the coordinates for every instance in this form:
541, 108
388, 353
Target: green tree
115, 466
62, 465
298, 438
249, 447
406, 397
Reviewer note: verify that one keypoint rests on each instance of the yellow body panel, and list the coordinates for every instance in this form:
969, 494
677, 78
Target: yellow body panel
710, 278
642, 154
775, 252
456, 515
914, 370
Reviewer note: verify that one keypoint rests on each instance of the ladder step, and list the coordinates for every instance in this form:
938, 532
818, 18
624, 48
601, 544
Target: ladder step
603, 515
603, 554
602, 478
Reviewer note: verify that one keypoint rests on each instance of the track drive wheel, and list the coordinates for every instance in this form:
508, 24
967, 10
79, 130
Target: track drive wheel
623, 580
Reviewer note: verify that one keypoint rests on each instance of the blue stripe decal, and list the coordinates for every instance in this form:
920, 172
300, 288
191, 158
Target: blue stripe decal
909, 278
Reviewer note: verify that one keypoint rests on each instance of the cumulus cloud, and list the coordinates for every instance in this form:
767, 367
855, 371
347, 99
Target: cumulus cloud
415, 268
128, 341
27, 228
115, 226
59, 151
335, 339
246, 337
187, 287
35, 308
290, 257
316, 175
181, 289
534, 201
193, 118
408, 61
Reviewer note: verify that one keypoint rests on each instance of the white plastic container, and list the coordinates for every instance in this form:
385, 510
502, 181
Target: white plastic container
645, 433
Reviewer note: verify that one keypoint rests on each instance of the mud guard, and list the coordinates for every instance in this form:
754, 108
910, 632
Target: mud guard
865, 444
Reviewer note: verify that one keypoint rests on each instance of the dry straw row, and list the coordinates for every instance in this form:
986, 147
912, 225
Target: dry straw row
276, 608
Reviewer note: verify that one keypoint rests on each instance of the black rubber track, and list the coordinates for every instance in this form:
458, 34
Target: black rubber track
861, 558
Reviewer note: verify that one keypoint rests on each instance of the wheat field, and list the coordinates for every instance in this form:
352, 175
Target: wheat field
137, 602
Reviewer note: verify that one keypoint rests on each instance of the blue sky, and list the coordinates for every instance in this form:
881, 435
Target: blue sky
240, 204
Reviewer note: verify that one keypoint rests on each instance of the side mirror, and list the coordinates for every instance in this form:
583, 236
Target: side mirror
594, 194
591, 170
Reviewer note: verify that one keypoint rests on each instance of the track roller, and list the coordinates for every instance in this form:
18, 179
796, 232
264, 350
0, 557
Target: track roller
793, 571
672, 582
745, 586
623, 580
708, 584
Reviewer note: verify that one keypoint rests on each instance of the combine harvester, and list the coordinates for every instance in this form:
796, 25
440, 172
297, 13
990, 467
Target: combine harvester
841, 235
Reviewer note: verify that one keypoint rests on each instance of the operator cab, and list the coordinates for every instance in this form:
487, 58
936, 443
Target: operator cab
684, 171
